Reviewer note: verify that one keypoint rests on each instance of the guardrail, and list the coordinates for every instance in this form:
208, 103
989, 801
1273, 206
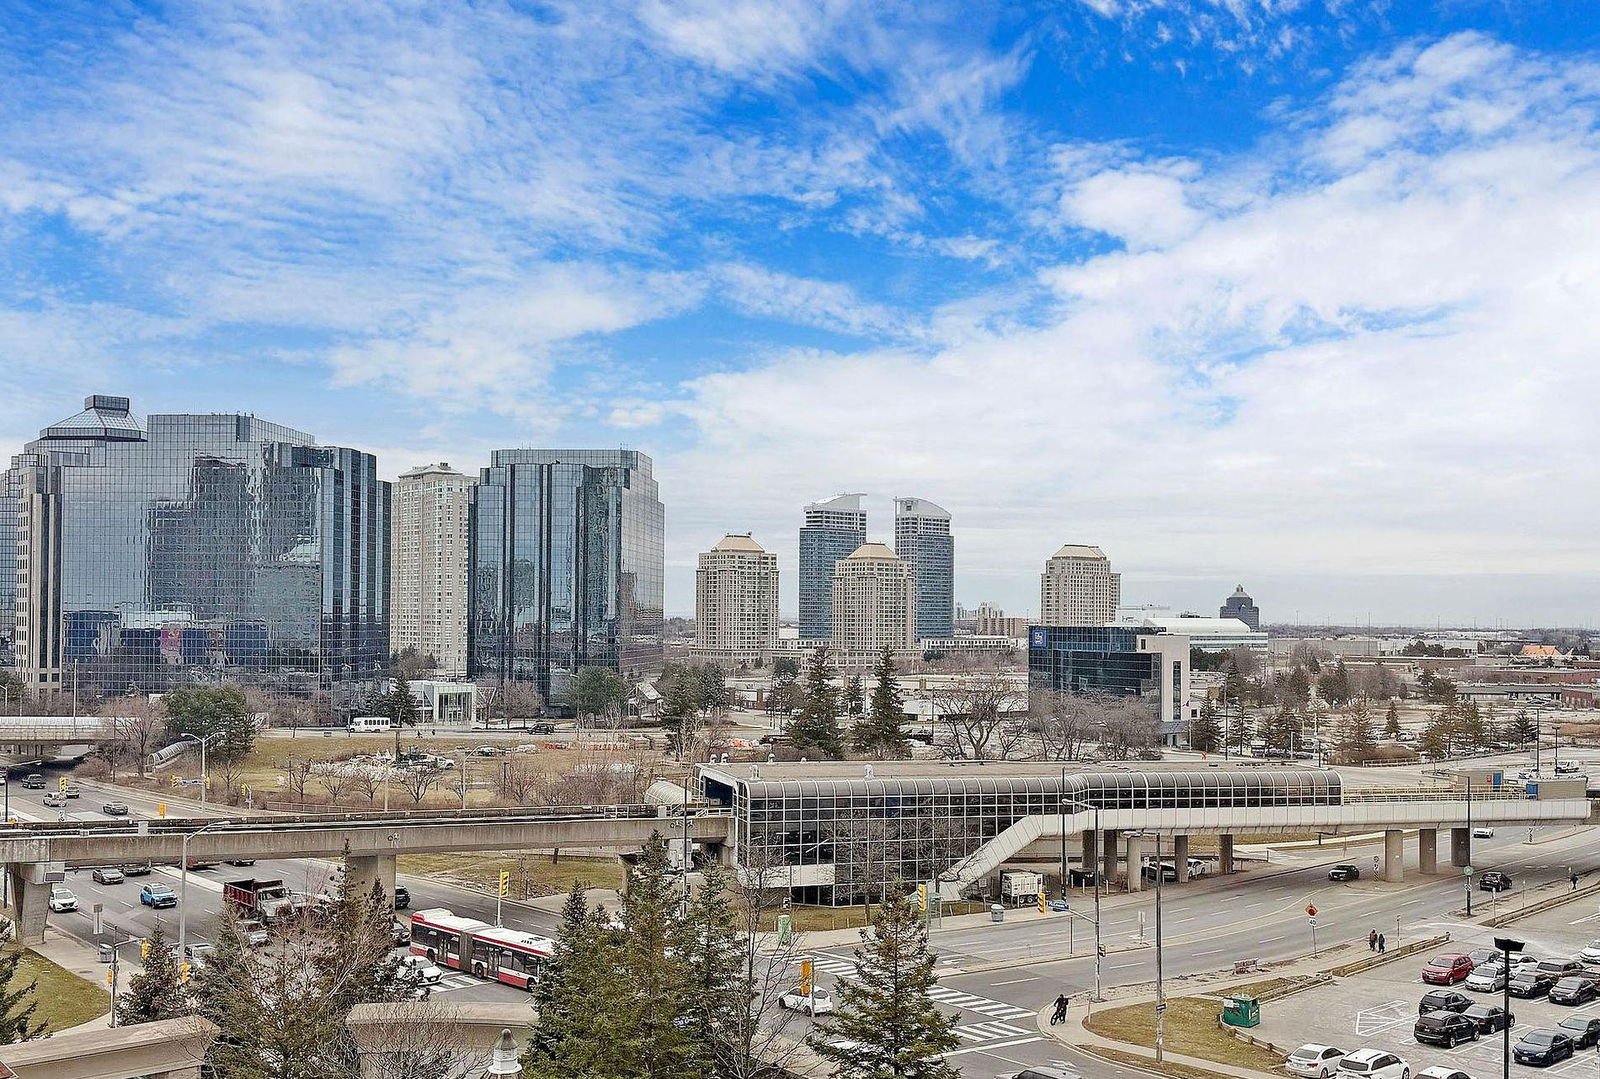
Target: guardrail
1434, 794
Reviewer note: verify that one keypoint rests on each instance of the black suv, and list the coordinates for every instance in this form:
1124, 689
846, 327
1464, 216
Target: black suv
402, 898
34, 782
1490, 1017
1444, 1028
1531, 982
1443, 1000
1542, 1048
1344, 871
1494, 881
541, 728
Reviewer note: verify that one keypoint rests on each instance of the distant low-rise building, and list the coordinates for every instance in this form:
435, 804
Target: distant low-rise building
1123, 661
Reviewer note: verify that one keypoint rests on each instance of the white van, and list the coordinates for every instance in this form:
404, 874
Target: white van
370, 724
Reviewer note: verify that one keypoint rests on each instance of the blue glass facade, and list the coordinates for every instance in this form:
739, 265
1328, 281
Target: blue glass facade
922, 538
198, 548
1114, 660
567, 567
833, 529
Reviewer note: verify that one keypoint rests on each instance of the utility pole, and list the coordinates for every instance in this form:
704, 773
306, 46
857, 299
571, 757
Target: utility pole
1062, 802
1467, 873
1098, 950
1161, 997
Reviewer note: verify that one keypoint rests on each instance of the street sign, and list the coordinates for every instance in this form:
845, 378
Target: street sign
1311, 909
1161, 1009
1466, 871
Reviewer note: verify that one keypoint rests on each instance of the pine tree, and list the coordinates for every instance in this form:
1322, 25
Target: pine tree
1355, 738
581, 1000
1391, 721
815, 731
1205, 731
678, 714
224, 991
1523, 728
881, 731
18, 1002
854, 702
890, 1028
708, 944
158, 992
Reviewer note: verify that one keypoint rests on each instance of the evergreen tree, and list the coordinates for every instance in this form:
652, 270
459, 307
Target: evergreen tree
224, 991
1391, 721
1355, 740
1205, 732
678, 714
18, 1002
1298, 687
881, 732
398, 706
1333, 684
890, 1027
854, 702
653, 969
1233, 682
815, 731
708, 945
581, 997
1435, 740
1523, 728
158, 992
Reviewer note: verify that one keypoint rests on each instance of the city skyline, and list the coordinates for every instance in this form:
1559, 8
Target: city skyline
1229, 290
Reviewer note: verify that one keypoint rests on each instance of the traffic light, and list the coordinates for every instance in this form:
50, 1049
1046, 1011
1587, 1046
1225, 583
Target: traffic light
172, 780
183, 973
110, 978
922, 897
144, 949
61, 783
505, 883
807, 974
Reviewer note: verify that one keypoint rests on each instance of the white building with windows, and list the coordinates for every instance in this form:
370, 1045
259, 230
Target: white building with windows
1078, 588
736, 601
874, 604
428, 565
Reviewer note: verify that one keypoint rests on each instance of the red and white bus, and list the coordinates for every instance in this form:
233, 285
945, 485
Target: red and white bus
484, 950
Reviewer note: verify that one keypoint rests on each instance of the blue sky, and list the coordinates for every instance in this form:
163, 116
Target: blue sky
1297, 292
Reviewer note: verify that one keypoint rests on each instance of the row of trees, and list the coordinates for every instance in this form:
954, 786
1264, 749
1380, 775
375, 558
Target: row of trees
225, 717
876, 722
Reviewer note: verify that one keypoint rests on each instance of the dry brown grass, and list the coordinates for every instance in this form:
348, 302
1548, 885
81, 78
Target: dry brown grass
1191, 1029
1166, 1067
540, 875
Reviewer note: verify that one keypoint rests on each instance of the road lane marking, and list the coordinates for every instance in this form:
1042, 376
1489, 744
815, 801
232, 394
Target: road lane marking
1013, 981
991, 1045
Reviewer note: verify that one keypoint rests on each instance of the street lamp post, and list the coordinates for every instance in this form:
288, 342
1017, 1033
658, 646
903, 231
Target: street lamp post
1161, 997
114, 979
183, 889
205, 777
1506, 946
1467, 873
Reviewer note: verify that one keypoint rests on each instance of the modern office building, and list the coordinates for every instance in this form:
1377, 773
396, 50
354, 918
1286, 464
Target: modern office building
1205, 634
1241, 606
874, 604
428, 565
922, 538
735, 601
832, 529
1078, 588
138, 556
1117, 661
567, 567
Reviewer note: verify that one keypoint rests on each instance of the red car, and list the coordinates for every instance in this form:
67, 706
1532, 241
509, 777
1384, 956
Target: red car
1447, 969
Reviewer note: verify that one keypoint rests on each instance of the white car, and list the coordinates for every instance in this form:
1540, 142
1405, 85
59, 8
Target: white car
1483, 833
1314, 1061
419, 970
817, 1002
1442, 1073
62, 899
1486, 978
1373, 1064
1591, 953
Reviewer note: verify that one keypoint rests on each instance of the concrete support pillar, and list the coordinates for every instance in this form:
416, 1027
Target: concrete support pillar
1225, 853
1394, 855
1428, 850
1091, 851
30, 900
360, 870
1180, 857
1460, 847
1108, 856
179, 1073
1135, 863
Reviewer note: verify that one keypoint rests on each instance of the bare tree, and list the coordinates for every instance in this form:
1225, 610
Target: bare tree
1062, 723
1126, 726
336, 779
977, 714
364, 781
519, 780
417, 782
230, 771
136, 724
296, 775
508, 700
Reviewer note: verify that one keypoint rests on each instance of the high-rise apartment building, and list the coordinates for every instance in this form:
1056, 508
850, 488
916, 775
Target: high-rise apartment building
922, 537
428, 565
833, 528
874, 603
735, 601
566, 568
139, 556
1241, 606
1078, 588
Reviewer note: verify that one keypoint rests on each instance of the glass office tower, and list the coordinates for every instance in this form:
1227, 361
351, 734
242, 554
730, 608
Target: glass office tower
567, 567
833, 529
195, 548
922, 538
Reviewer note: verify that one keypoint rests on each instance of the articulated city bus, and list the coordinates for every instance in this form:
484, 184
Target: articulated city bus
483, 950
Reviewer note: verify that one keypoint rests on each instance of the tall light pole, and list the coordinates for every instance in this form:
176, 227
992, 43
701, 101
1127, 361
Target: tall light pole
1062, 803
112, 1018
1506, 946
183, 888
205, 776
1467, 872
1161, 998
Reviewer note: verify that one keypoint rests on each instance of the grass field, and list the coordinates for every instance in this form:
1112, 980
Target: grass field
542, 877
1191, 1029
65, 1000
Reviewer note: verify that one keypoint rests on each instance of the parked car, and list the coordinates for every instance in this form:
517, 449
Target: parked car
1567, 768
1481, 832
818, 1002
1584, 1030
239, 861
420, 970
1542, 1048
71, 790
1443, 1000
1490, 1017
55, 800
115, 809
541, 728
1487, 978
1480, 956
1575, 989
1057, 906
136, 869
198, 863
1444, 1028
1591, 953
157, 896
199, 953
1447, 969
1494, 881
1437, 1072
1314, 1061
1344, 871
1373, 1064
107, 874
1530, 982
1560, 968
402, 898
62, 899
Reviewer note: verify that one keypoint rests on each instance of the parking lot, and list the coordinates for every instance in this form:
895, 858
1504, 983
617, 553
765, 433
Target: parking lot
1376, 1009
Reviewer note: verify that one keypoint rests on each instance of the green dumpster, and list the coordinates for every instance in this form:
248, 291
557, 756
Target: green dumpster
1242, 1012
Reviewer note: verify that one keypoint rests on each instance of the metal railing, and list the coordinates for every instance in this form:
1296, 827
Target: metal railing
1505, 793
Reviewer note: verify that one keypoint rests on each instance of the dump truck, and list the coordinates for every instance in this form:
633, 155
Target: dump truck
263, 899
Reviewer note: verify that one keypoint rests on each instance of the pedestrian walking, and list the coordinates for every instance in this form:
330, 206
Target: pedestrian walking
1380, 942
1574, 882
1060, 1014
1372, 940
